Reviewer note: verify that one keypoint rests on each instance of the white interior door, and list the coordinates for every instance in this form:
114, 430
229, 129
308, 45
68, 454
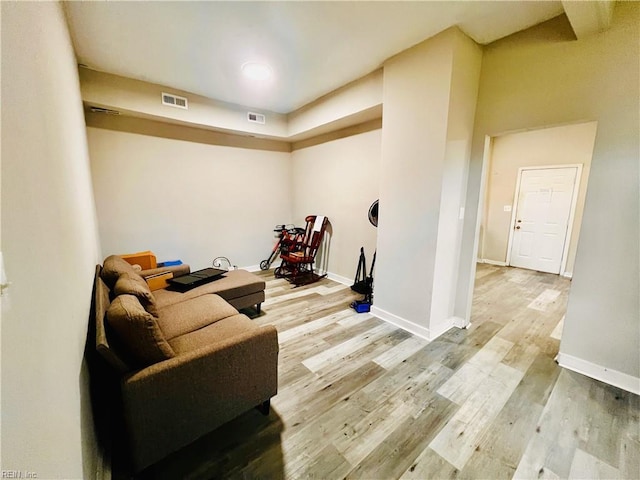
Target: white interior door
541, 221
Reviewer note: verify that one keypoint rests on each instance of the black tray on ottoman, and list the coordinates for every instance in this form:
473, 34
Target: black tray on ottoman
195, 279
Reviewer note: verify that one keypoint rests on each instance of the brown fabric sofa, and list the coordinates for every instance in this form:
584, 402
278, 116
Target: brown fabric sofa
187, 362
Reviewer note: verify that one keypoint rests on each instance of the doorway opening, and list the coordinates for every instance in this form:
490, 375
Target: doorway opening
533, 193
555, 163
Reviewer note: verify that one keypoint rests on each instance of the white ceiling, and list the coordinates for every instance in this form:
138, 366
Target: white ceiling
312, 47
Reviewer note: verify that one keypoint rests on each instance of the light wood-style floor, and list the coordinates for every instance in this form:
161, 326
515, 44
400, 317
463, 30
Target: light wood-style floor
359, 398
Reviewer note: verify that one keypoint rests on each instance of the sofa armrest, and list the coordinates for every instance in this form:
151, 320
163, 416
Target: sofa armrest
171, 403
177, 270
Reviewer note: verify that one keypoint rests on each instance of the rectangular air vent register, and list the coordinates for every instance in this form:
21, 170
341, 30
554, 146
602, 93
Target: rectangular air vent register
256, 117
172, 100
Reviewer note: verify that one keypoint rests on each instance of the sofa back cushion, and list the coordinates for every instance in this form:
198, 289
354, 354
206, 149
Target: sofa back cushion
138, 331
113, 267
132, 284
106, 344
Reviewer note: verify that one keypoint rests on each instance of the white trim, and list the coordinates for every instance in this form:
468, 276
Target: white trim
493, 262
443, 328
598, 372
460, 322
480, 218
572, 209
514, 211
572, 216
339, 279
416, 329
400, 322
567, 274
483, 205
250, 268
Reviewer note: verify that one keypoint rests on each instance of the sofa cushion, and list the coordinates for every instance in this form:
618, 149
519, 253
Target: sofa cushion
233, 284
105, 344
112, 268
138, 331
222, 329
185, 317
133, 284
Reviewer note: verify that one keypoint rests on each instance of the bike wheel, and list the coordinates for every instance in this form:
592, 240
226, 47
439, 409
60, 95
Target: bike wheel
264, 265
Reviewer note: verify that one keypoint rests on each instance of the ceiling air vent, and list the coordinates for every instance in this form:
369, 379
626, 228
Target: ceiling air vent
104, 110
256, 117
174, 101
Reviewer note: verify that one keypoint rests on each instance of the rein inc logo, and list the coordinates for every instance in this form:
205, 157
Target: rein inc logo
18, 474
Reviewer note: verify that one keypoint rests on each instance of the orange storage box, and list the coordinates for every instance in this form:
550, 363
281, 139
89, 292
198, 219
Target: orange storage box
146, 260
159, 280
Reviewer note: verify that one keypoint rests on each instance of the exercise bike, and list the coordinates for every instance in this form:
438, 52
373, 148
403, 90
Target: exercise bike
288, 235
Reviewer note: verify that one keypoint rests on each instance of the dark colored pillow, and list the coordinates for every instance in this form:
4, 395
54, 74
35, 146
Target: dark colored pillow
133, 284
138, 331
112, 268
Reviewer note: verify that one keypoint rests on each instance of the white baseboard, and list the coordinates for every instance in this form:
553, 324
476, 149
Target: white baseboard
493, 262
598, 372
444, 327
331, 276
400, 322
250, 268
459, 322
339, 279
568, 274
411, 327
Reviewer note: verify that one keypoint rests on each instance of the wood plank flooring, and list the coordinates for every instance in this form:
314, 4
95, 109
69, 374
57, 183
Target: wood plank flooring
359, 398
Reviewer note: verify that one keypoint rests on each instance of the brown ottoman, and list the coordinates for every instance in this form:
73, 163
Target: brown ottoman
240, 288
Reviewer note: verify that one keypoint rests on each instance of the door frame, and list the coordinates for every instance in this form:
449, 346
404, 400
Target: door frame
572, 211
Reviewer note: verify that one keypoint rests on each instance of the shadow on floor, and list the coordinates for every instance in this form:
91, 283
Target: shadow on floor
247, 447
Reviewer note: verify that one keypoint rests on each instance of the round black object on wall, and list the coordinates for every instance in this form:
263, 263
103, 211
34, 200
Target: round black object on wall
373, 213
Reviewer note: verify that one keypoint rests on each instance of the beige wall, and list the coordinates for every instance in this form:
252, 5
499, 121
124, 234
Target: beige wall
187, 200
339, 179
50, 244
543, 77
563, 145
352, 99
355, 103
162, 129
144, 99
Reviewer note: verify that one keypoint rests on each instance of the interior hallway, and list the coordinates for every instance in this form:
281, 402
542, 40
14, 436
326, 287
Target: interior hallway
359, 398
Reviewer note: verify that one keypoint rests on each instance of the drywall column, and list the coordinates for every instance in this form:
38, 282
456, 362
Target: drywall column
422, 153
49, 237
465, 78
